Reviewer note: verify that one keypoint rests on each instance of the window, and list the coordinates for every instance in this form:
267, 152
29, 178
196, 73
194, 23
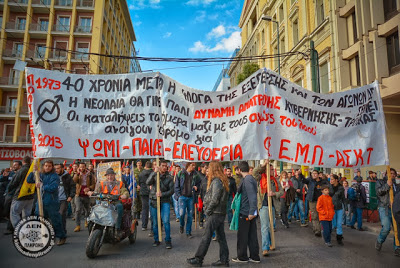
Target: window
61, 53
14, 77
274, 24
82, 47
65, 2
18, 50
393, 51
281, 14
295, 32
324, 78
299, 82
351, 29
282, 46
40, 51
43, 25
63, 25
21, 22
8, 132
320, 12
390, 9
1, 21
85, 25
355, 71
11, 105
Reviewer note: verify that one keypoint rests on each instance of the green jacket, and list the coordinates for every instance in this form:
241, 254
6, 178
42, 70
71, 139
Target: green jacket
236, 207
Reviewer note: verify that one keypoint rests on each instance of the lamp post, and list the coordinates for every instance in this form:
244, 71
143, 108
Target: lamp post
269, 18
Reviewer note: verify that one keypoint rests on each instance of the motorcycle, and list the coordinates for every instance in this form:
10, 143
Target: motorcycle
102, 220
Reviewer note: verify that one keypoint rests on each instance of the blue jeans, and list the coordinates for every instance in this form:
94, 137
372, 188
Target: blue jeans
229, 210
186, 204
176, 206
52, 211
326, 230
298, 204
306, 209
386, 221
346, 214
266, 227
164, 210
337, 221
120, 210
357, 216
293, 210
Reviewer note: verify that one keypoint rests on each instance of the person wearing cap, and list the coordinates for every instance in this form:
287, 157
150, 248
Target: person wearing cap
113, 187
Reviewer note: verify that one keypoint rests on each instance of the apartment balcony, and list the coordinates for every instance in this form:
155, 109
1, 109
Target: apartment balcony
80, 57
60, 55
10, 111
83, 30
24, 139
6, 138
9, 83
17, 5
85, 4
41, 6
61, 29
16, 30
38, 31
63, 4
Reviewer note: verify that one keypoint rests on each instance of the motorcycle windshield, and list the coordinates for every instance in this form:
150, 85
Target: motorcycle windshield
109, 187
106, 216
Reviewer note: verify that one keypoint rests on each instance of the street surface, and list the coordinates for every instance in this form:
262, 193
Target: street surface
296, 247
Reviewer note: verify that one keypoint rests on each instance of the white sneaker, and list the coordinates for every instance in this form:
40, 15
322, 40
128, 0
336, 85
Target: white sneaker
239, 261
254, 261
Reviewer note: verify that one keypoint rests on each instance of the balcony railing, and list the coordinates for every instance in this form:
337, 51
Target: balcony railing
85, 3
12, 53
6, 138
12, 110
61, 28
60, 54
39, 27
24, 139
41, 2
15, 26
80, 56
9, 80
18, 1
65, 3
83, 29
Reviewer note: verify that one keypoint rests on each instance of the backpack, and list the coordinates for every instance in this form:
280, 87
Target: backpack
354, 193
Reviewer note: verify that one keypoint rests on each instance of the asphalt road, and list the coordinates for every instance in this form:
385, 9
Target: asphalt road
296, 247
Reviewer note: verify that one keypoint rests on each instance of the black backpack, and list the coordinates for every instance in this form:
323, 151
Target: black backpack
357, 190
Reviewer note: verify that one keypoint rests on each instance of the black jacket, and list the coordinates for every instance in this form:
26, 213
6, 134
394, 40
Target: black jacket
382, 191
248, 189
17, 181
69, 184
232, 186
203, 186
166, 188
216, 198
363, 198
143, 176
337, 196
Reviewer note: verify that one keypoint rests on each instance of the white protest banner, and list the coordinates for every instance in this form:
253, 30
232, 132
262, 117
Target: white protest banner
151, 115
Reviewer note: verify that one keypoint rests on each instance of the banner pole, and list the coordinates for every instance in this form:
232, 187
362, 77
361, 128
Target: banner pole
39, 192
158, 203
195, 216
271, 220
391, 196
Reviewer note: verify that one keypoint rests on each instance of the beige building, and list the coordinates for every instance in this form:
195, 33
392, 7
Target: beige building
357, 43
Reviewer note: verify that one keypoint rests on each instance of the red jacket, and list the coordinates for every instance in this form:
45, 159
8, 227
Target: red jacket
325, 208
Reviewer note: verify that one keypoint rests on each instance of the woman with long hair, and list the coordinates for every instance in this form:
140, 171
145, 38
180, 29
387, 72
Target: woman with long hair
286, 184
215, 202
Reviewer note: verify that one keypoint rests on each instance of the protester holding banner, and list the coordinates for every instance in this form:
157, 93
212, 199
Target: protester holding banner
85, 182
20, 205
187, 182
382, 187
165, 193
247, 229
144, 193
313, 193
66, 192
215, 202
137, 208
263, 192
48, 185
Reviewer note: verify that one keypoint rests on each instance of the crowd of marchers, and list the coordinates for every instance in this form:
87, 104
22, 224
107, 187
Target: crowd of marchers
210, 194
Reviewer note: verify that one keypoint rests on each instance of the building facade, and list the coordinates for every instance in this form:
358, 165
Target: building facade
55, 35
357, 43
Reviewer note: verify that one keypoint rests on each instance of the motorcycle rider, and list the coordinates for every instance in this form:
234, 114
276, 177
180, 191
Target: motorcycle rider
113, 187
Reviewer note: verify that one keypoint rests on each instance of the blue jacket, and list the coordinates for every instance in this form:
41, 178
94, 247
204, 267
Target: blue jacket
180, 181
49, 188
312, 184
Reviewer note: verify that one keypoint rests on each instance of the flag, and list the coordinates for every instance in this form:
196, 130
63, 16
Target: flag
233, 170
132, 184
28, 188
65, 163
123, 164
